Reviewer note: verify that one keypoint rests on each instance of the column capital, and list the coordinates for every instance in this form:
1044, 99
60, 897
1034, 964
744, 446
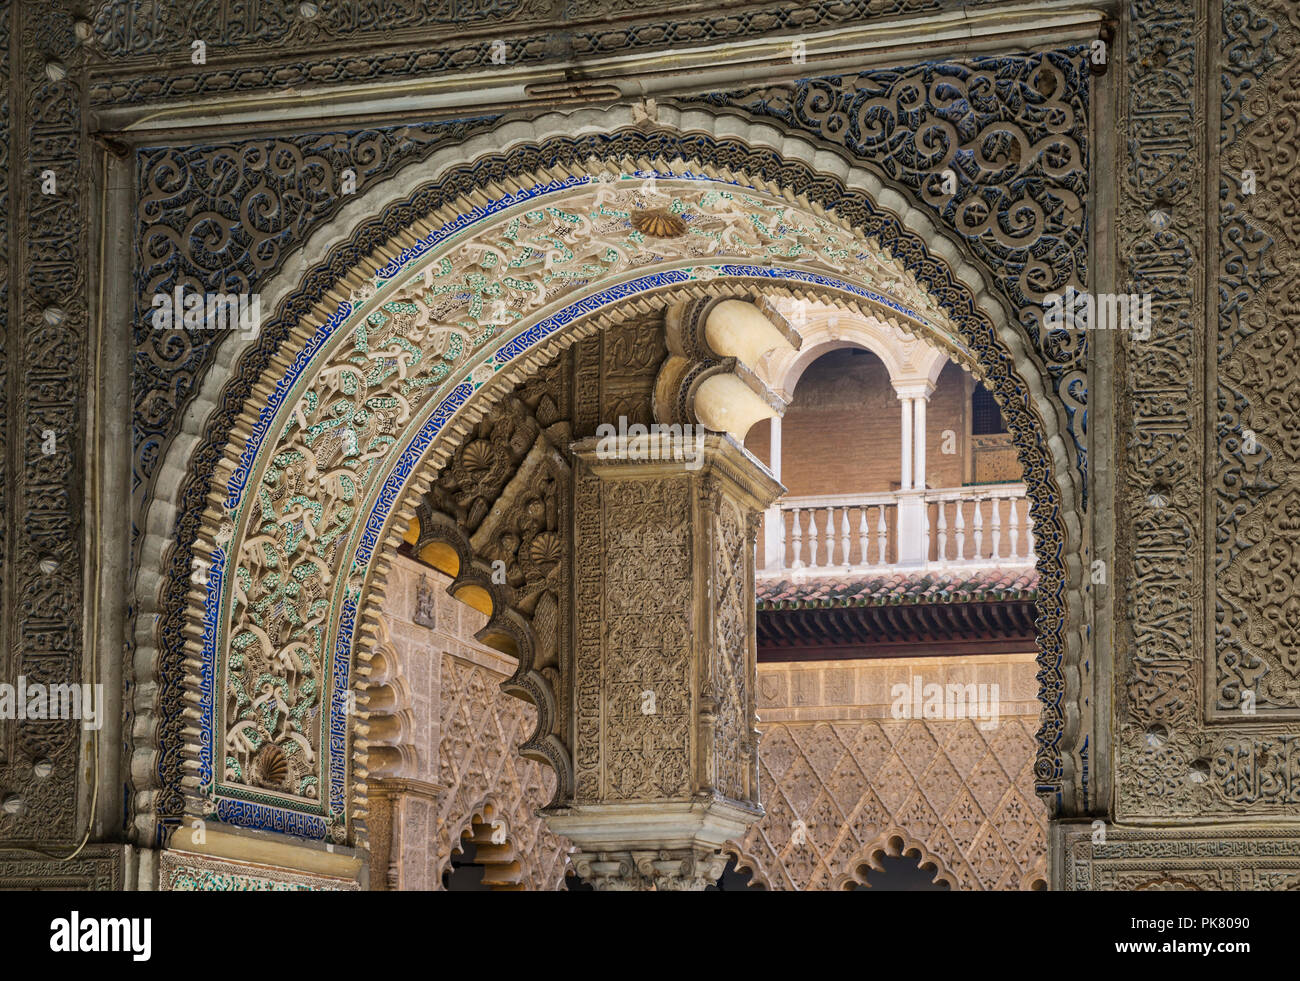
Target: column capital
913, 389
687, 834
668, 451
667, 870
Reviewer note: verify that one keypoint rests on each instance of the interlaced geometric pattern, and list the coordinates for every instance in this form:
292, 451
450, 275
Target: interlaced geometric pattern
966, 794
478, 762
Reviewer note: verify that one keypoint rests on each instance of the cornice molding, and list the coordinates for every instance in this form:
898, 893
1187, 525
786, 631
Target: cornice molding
621, 77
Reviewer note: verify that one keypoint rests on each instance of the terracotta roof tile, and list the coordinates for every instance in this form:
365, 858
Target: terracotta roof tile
898, 588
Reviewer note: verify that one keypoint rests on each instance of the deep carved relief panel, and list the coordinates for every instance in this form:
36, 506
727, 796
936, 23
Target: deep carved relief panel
507, 489
98, 868
46, 311
729, 687
479, 761
1201, 700
839, 774
221, 218
645, 644
1256, 662
187, 872
1160, 230
466, 733
1245, 859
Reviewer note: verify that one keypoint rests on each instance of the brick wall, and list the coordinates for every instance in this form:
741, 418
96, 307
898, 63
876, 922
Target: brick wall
843, 432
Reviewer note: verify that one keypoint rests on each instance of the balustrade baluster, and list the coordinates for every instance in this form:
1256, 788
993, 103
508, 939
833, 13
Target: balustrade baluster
829, 535
960, 554
942, 554
882, 538
978, 553
797, 539
863, 536
817, 537
1013, 530
844, 536
997, 528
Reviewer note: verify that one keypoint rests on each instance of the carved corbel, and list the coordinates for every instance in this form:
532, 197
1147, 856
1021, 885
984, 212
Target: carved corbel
711, 375
388, 723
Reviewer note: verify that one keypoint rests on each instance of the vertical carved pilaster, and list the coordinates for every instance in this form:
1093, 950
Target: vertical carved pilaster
46, 302
379, 822
664, 660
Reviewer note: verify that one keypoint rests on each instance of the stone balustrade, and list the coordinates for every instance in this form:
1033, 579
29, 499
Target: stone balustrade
844, 534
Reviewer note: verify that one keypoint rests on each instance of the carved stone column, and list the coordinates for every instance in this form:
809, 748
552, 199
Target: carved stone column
665, 745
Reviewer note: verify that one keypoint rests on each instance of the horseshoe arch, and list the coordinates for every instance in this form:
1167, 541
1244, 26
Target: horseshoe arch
473, 291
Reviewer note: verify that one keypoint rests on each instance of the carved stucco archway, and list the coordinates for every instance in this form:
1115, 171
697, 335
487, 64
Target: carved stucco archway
963, 302
506, 868
748, 864
893, 843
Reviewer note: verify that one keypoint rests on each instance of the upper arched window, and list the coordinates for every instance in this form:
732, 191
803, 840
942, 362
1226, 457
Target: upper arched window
985, 416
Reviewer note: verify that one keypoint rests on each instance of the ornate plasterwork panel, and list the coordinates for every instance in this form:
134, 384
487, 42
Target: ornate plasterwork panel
221, 218
478, 764
833, 790
1207, 682
1159, 691
1256, 486
728, 683
1013, 133
5, 349
97, 868
503, 501
634, 584
854, 206
464, 772
1148, 859
615, 371
189, 872
6, 346
508, 486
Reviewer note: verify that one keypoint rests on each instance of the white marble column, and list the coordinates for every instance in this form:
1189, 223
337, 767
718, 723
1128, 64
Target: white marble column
918, 442
913, 520
905, 481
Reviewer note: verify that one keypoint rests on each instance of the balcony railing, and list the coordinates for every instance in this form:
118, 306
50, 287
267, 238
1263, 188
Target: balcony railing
961, 527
